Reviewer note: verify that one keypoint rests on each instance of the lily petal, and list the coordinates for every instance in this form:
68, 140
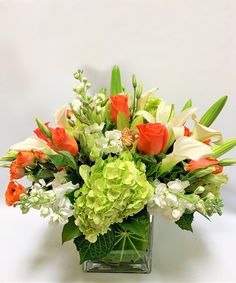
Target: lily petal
60, 117
146, 115
202, 133
180, 119
31, 143
164, 113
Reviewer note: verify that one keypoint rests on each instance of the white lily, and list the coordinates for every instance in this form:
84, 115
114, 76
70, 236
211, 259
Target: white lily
31, 143
202, 133
60, 117
184, 148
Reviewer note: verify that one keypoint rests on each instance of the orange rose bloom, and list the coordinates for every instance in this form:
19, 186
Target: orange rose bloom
13, 193
203, 163
25, 158
119, 103
64, 141
42, 157
153, 138
16, 171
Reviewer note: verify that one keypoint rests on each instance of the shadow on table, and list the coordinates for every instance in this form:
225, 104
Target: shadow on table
174, 251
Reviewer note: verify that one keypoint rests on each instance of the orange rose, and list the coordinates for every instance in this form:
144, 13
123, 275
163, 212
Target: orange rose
203, 163
42, 157
153, 138
119, 103
25, 158
64, 141
16, 171
13, 193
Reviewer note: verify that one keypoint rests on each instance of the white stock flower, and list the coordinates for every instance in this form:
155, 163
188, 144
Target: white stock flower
111, 143
166, 202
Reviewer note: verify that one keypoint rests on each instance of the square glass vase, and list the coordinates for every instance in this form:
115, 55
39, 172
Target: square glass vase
131, 253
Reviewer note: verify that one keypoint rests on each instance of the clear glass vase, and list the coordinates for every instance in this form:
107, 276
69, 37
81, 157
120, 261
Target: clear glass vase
132, 252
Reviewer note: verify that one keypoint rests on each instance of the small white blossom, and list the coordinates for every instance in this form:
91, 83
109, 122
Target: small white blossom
167, 202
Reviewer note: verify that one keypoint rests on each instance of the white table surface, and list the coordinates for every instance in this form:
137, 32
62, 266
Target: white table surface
31, 251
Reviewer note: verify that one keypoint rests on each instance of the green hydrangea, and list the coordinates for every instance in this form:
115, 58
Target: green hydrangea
113, 190
152, 104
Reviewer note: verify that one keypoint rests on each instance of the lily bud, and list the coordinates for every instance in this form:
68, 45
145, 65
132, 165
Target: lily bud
134, 81
45, 130
139, 90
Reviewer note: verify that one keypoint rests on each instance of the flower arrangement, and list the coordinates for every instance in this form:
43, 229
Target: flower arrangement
113, 160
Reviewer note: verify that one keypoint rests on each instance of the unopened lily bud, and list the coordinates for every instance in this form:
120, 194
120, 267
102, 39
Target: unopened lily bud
139, 90
45, 130
134, 81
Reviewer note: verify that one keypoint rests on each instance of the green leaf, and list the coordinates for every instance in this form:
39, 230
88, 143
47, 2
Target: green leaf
64, 158
153, 169
70, 230
57, 159
137, 121
97, 250
212, 113
122, 121
138, 224
69, 159
116, 85
185, 222
187, 105
44, 174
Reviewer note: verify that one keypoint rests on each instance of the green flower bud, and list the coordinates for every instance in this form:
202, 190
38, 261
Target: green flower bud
139, 90
45, 130
134, 81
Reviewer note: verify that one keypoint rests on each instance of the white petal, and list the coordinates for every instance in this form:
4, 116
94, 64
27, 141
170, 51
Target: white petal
60, 117
203, 133
31, 143
146, 115
180, 119
164, 113
190, 148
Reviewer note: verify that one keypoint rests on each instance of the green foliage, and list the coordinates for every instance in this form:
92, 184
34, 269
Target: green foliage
70, 230
131, 239
152, 104
116, 85
212, 113
122, 121
63, 158
185, 222
95, 251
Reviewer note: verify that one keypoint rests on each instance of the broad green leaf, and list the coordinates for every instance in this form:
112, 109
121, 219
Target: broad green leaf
137, 121
212, 113
187, 105
57, 159
69, 159
137, 224
116, 85
122, 121
97, 250
64, 158
70, 230
219, 150
185, 222
44, 174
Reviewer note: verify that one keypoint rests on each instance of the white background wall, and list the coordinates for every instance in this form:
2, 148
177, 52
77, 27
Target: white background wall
186, 48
